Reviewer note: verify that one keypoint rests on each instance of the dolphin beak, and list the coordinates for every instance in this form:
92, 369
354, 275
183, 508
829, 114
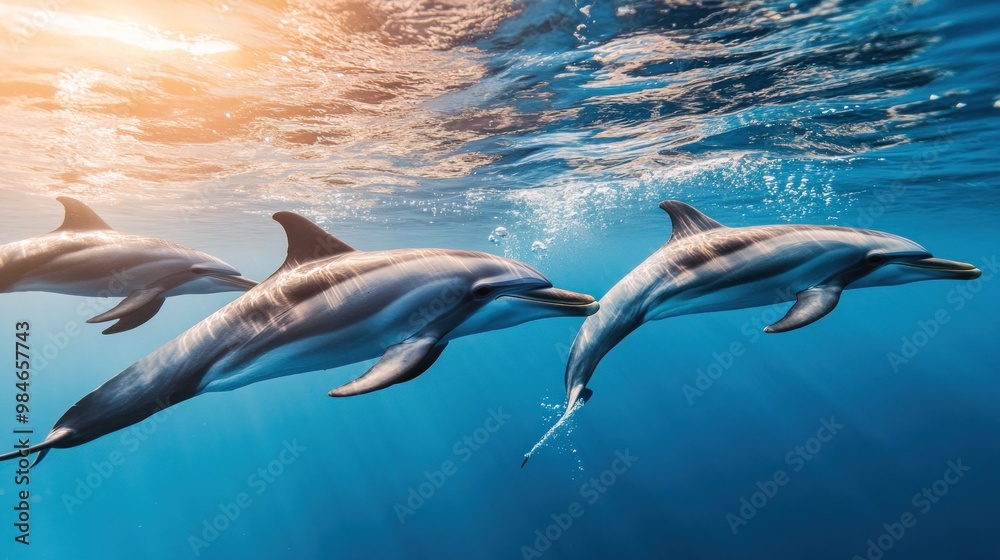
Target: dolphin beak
239, 282
571, 303
943, 268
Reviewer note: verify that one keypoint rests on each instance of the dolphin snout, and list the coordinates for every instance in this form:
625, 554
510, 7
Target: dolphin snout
571, 303
943, 268
240, 282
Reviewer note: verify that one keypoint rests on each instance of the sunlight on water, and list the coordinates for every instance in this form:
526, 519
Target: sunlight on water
348, 107
130, 33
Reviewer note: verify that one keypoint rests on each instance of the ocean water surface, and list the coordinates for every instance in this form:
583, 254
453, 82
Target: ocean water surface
546, 131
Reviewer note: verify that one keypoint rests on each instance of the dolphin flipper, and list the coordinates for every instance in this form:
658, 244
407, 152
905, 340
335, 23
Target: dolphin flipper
401, 362
811, 305
137, 317
135, 301
140, 305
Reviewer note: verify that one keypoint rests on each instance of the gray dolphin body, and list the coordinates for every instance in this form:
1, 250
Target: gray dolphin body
85, 257
328, 305
706, 266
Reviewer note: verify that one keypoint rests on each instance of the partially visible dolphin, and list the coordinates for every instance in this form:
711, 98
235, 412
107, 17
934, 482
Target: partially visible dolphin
328, 305
706, 266
85, 257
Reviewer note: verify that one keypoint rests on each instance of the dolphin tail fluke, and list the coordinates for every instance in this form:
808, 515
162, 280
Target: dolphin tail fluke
577, 393
41, 455
54, 438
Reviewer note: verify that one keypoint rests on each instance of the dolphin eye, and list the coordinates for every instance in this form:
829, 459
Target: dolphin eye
482, 291
876, 259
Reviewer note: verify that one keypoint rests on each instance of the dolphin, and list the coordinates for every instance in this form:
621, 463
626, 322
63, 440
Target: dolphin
86, 257
328, 305
706, 266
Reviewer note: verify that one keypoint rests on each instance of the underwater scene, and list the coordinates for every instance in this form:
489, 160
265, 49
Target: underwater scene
307, 279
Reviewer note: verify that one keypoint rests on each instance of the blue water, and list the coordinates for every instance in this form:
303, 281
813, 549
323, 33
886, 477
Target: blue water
405, 125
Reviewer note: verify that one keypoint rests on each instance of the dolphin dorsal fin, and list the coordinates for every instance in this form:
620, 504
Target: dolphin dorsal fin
687, 220
79, 216
307, 241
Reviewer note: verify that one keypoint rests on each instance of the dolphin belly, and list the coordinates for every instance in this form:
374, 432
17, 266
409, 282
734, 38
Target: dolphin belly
317, 334
314, 353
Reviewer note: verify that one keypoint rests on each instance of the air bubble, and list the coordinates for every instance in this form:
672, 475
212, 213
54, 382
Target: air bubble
499, 233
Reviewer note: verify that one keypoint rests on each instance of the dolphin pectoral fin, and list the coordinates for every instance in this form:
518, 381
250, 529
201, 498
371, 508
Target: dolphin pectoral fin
134, 310
132, 303
401, 362
136, 318
140, 305
811, 305
141, 297
424, 363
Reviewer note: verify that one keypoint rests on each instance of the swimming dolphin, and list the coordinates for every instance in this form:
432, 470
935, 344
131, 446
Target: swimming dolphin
85, 257
706, 266
328, 305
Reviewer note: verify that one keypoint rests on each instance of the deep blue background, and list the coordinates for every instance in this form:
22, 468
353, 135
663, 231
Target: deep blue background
828, 118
